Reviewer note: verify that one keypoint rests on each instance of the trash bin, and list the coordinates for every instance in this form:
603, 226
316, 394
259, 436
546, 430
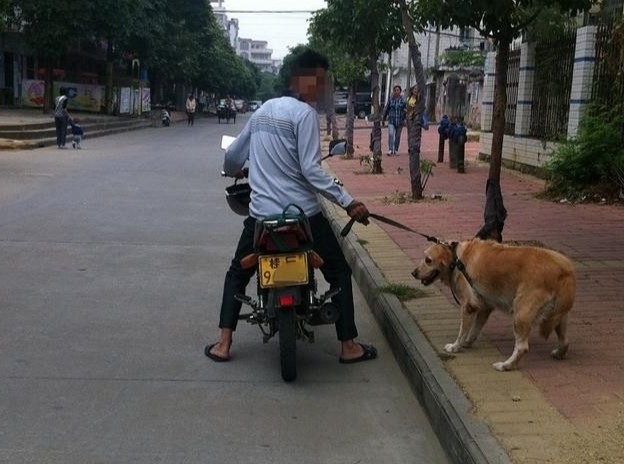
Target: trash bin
452, 146
460, 142
443, 131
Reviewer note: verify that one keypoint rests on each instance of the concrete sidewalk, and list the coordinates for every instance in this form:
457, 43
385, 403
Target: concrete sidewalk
548, 411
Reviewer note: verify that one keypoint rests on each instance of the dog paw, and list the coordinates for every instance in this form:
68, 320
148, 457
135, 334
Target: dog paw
559, 353
451, 348
500, 366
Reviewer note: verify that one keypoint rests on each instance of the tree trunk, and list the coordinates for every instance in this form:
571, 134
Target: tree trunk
375, 145
414, 127
495, 213
108, 96
48, 102
350, 122
330, 112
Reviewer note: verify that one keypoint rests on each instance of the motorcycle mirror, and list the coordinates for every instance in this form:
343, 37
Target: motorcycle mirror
337, 147
226, 141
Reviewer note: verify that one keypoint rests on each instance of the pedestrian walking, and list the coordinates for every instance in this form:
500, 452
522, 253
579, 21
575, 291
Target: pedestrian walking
395, 114
191, 105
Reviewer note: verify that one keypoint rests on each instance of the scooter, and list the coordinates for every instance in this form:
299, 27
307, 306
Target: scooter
286, 302
165, 118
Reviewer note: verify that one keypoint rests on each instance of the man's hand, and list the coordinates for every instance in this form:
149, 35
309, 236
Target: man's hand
242, 173
358, 211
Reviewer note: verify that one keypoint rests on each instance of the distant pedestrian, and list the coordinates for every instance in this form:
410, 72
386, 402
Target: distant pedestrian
61, 118
395, 114
191, 104
77, 133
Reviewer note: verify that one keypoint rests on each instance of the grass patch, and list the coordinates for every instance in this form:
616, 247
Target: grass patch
403, 292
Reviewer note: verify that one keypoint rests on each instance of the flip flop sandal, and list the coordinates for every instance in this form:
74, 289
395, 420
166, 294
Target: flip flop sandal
370, 352
212, 356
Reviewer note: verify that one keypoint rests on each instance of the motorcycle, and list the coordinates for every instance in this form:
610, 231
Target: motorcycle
165, 118
286, 302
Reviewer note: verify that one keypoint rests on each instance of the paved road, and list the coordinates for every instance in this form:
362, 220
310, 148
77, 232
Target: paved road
111, 265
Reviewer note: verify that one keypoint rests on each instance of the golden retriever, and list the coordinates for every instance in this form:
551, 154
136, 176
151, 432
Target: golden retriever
535, 285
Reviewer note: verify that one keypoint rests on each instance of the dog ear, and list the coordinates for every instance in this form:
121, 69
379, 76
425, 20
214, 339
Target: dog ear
445, 255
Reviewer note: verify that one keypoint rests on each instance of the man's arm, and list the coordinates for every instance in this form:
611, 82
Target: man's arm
386, 110
309, 151
238, 152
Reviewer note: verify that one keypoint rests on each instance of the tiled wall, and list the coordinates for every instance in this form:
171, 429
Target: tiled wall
520, 151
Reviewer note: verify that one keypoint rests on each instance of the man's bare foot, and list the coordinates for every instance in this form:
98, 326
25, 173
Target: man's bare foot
217, 352
353, 352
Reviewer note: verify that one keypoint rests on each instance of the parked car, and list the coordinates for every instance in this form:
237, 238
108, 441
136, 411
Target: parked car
363, 103
340, 102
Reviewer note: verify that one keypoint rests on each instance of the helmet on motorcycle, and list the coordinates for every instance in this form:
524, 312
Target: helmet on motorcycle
238, 198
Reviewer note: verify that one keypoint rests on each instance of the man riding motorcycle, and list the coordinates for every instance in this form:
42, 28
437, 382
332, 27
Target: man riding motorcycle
281, 144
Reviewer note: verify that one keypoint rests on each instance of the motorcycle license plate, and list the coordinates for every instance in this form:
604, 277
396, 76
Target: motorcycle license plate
283, 270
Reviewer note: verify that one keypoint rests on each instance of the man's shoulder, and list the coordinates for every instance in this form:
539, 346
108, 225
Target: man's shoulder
284, 106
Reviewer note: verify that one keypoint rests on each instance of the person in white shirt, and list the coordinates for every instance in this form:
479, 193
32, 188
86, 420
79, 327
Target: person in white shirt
281, 144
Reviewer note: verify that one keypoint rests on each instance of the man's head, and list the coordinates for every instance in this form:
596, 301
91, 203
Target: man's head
396, 91
307, 78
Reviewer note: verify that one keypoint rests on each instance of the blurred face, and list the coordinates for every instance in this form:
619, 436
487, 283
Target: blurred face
396, 91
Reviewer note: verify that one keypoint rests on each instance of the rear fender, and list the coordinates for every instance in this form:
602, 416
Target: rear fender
275, 294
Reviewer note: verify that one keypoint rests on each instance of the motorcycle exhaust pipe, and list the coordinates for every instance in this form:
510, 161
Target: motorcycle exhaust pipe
328, 313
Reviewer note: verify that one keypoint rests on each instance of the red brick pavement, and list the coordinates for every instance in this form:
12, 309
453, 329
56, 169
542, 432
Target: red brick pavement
590, 383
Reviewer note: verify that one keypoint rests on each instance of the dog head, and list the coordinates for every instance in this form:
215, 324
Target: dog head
436, 264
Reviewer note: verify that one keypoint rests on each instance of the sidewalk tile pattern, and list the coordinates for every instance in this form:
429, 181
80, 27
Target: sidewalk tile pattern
548, 411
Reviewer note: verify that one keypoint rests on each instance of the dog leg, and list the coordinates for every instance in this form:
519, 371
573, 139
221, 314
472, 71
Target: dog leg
467, 321
477, 326
562, 347
522, 329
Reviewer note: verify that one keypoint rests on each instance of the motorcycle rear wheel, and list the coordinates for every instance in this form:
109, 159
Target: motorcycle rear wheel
288, 344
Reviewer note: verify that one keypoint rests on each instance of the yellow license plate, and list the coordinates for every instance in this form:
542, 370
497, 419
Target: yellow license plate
283, 270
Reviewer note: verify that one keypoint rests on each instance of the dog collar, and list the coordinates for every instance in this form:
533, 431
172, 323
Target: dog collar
459, 265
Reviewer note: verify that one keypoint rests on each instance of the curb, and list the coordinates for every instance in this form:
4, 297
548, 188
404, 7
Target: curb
465, 439
28, 144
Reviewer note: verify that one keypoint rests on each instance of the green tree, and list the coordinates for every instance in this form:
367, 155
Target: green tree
266, 91
414, 127
51, 27
347, 70
362, 30
112, 20
502, 21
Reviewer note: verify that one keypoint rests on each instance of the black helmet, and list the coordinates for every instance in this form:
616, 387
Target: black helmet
238, 197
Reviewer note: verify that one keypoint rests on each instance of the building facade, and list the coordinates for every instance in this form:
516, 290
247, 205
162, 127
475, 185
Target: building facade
450, 89
256, 51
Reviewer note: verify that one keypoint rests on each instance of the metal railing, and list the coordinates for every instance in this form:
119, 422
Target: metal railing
552, 86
